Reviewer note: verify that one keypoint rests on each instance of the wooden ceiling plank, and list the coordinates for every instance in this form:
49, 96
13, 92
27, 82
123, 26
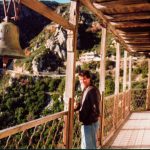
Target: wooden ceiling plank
137, 41
140, 48
121, 2
129, 16
42, 9
135, 35
117, 8
100, 15
129, 25
134, 30
144, 50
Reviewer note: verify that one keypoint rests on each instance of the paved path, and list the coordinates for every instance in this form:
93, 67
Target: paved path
43, 74
135, 133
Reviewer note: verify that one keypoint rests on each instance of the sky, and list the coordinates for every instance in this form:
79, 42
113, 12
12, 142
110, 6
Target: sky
62, 1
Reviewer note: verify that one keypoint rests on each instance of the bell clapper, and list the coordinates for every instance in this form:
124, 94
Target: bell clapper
5, 61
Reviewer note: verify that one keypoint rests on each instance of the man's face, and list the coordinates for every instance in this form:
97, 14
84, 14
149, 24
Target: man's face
84, 81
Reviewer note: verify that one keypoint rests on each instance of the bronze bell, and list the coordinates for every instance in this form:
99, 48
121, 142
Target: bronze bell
9, 41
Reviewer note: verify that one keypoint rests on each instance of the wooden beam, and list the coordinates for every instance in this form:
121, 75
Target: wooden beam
136, 38
118, 7
129, 16
121, 25
137, 46
138, 29
120, 2
139, 53
137, 42
128, 34
137, 49
144, 37
42, 9
100, 15
142, 48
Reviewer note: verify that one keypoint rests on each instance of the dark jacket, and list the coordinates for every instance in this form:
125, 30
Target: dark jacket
90, 109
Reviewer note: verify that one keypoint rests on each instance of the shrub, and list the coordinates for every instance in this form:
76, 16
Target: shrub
110, 87
110, 64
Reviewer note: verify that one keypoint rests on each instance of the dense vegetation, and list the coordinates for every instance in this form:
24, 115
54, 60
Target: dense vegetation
27, 99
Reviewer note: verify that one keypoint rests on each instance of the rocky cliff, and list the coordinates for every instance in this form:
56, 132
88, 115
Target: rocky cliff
45, 42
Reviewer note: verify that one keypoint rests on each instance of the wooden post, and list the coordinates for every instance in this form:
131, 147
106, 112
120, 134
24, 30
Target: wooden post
102, 79
103, 61
125, 71
71, 53
130, 72
115, 109
65, 131
148, 88
130, 80
101, 129
70, 123
117, 68
124, 78
71, 62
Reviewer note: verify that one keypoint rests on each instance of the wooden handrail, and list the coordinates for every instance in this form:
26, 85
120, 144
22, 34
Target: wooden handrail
116, 123
22, 127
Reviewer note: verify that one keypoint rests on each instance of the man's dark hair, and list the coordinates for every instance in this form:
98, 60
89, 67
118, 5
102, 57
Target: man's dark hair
86, 73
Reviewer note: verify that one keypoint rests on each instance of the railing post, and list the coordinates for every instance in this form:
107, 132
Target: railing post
148, 87
124, 104
68, 125
129, 99
101, 129
70, 122
65, 131
115, 111
147, 99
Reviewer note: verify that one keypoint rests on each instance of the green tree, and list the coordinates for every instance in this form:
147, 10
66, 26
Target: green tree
110, 86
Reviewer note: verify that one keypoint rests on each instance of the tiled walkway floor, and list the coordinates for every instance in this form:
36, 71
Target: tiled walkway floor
135, 133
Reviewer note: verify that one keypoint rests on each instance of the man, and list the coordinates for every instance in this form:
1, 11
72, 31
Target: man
89, 111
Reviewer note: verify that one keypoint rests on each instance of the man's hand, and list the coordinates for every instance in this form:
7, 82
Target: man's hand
76, 105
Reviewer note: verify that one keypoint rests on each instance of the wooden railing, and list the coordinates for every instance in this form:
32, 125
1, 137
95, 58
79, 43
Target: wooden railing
138, 99
62, 130
116, 109
40, 133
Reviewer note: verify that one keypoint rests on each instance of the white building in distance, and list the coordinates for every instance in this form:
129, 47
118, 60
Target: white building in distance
89, 56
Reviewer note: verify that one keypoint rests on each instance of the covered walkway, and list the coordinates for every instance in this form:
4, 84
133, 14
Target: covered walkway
134, 133
129, 22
